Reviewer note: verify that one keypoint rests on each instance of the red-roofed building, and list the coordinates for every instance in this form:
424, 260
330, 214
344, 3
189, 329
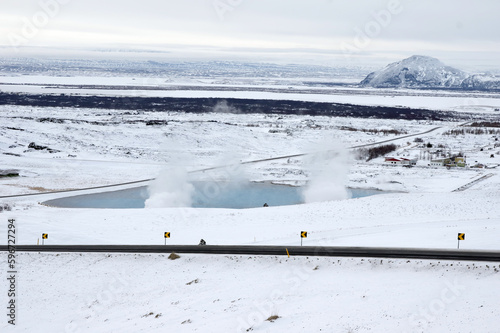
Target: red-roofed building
400, 161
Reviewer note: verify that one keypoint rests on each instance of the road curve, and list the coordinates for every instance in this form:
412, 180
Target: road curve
320, 251
143, 181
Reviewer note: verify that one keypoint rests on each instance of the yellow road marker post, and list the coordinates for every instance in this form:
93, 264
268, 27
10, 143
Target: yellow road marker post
303, 234
461, 237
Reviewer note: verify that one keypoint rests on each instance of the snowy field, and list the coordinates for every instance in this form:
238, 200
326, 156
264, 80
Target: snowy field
253, 88
149, 293
208, 293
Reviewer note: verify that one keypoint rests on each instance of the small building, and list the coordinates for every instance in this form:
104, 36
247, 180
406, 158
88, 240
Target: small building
392, 160
438, 162
458, 161
400, 161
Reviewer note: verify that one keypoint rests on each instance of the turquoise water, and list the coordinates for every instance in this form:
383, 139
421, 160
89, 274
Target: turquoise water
207, 195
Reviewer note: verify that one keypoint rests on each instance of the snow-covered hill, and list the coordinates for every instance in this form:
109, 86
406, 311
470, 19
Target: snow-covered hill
416, 72
481, 82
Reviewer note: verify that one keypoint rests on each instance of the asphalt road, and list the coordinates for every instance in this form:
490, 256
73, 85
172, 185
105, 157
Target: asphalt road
143, 181
354, 252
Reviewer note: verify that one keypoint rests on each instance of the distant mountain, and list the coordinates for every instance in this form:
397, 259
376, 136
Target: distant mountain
427, 72
481, 82
416, 72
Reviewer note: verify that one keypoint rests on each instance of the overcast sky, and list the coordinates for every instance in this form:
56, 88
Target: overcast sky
330, 32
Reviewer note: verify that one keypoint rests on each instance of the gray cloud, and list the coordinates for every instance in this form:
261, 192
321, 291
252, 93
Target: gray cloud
442, 27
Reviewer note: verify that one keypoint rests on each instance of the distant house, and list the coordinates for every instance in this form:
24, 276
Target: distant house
438, 162
448, 162
460, 161
392, 160
400, 161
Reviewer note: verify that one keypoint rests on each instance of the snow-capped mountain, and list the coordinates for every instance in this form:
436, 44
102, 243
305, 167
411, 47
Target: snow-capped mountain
416, 72
481, 82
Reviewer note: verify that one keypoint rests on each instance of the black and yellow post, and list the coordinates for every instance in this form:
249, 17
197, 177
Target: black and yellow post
44, 237
461, 236
167, 235
303, 234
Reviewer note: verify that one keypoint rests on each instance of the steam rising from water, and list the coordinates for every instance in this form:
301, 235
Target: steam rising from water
224, 107
170, 189
173, 187
328, 175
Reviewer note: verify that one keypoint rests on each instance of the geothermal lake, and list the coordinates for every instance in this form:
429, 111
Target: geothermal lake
206, 195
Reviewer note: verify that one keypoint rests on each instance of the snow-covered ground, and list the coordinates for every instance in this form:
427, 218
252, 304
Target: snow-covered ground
256, 88
149, 293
